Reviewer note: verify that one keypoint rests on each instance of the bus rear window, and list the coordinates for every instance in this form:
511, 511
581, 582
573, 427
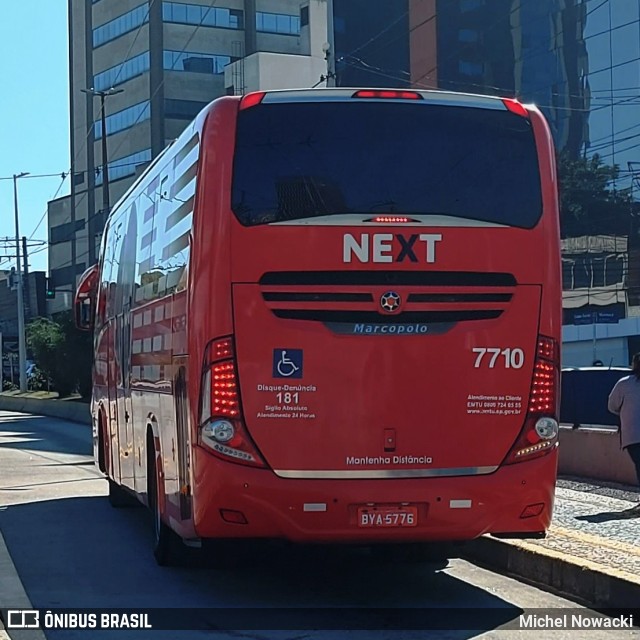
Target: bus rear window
297, 161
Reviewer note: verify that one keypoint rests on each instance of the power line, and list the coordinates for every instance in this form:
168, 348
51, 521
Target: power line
380, 33
386, 74
160, 85
502, 18
62, 175
90, 130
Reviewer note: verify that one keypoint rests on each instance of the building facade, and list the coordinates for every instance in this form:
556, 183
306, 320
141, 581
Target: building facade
371, 43
514, 48
166, 60
34, 306
578, 60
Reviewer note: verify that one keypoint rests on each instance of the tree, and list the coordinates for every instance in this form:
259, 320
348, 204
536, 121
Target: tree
45, 340
62, 353
78, 352
589, 203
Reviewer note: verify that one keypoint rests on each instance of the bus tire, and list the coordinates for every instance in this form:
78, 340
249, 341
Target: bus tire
164, 544
102, 443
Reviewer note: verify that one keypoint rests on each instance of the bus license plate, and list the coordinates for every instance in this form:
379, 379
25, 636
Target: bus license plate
374, 517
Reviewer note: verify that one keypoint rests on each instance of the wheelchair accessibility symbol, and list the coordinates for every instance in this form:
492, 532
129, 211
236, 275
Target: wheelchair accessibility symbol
287, 363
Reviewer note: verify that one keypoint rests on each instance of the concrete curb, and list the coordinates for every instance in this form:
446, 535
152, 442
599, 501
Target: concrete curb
578, 579
64, 409
12, 594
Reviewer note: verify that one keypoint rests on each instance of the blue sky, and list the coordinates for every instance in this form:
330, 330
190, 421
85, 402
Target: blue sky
34, 113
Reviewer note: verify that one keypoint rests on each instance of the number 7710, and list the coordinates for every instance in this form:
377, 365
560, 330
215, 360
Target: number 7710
510, 358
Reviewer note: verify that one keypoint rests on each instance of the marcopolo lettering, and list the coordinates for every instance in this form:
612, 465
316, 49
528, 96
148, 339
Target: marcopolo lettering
394, 329
389, 247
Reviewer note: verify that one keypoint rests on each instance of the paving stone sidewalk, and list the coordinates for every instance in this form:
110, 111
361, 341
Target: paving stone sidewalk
589, 524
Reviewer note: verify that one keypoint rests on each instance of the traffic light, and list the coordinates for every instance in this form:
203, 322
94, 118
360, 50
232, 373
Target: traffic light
50, 290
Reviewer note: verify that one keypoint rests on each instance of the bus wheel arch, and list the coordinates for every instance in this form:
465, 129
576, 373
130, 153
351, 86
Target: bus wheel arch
163, 538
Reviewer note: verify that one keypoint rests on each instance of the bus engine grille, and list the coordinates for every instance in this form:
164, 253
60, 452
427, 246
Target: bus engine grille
355, 296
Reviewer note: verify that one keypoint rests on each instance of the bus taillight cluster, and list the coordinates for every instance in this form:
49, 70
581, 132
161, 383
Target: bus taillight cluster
540, 432
222, 430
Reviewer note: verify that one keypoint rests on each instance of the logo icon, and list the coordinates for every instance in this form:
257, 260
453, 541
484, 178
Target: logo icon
390, 301
287, 363
23, 619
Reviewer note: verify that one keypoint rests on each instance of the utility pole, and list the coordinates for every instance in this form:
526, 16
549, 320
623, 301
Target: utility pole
105, 164
22, 346
331, 52
25, 271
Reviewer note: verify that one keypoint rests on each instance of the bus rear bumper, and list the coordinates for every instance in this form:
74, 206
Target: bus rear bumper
516, 499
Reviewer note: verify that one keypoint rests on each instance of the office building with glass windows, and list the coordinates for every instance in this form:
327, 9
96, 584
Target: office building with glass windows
579, 61
168, 60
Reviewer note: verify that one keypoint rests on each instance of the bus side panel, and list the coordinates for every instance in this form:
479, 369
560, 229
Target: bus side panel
209, 295
159, 324
113, 444
101, 410
551, 311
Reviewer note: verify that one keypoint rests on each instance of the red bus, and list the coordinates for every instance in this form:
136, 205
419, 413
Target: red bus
334, 316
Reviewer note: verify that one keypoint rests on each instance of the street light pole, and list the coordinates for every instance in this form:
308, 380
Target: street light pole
105, 163
22, 346
331, 52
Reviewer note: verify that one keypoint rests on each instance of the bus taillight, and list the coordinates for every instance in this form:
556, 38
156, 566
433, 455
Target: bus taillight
540, 432
515, 107
391, 220
252, 99
222, 429
391, 94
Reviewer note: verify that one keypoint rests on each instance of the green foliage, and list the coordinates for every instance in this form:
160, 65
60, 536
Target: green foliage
589, 205
62, 353
45, 340
7, 385
38, 381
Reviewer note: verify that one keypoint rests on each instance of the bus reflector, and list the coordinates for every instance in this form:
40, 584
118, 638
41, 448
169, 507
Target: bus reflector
234, 517
220, 405
532, 510
515, 107
386, 93
543, 403
252, 99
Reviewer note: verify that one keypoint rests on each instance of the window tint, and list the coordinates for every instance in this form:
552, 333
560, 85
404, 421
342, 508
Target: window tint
194, 62
121, 25
278, 22
207, 16
302, 160
124, 166
183, 109
470, 5
123, 119
131, 68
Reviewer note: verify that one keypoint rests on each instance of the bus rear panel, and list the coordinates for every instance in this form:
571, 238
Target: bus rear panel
374, 318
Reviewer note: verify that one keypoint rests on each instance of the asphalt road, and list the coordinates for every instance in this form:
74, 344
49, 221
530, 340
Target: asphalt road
72, 550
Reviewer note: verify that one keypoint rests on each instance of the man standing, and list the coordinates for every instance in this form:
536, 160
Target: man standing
624, 401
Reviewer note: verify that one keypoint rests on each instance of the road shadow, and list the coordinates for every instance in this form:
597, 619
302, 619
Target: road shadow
80, 552
608, 516
600, 487
42, 433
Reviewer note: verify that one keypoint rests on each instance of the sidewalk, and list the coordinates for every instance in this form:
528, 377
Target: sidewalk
592, 550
